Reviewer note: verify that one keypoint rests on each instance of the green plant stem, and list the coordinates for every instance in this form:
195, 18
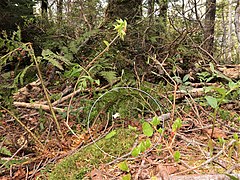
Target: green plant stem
45, 91
101, 53
26, 129
85, 70
216, 111
214, 121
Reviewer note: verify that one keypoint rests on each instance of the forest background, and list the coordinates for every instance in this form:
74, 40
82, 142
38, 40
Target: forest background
119, 89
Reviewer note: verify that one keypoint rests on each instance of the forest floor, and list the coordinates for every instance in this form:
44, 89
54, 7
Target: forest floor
116, 146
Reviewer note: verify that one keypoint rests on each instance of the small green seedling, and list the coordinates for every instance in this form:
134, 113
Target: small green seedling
176, 125
215, 102
143, 146
111, 134
121, 28
123, 166
126, 177
147, 129
177, 156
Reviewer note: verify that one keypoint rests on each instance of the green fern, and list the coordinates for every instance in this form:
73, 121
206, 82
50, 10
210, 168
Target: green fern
102, 65
110, 76
55, 59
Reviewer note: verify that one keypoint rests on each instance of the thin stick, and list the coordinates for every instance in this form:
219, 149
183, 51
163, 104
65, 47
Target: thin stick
174, 82
13, 155
45, 91
37, 106
209, 160
26, 128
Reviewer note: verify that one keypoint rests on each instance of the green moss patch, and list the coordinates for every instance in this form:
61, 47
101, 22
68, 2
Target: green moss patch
79, 164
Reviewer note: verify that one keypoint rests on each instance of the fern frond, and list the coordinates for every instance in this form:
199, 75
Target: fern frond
54, 59
110, 76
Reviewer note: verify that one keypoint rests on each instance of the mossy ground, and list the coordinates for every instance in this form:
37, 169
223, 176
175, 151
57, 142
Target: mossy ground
81, 163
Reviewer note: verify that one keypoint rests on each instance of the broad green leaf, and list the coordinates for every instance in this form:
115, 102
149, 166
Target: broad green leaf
106, 43
176, 156
142, 147
211, 67
186, 77
209, 79
160, 130
233, 85
208, 89
155, 121
212, 101
97, 82
177, 79
132, 128
84, 84
221, 91
235, 136
232, 177
148, 143
221, 141
5, 151
135, 152
147, 129
46, 52
111, 134
126, 177
177, 124
123, 166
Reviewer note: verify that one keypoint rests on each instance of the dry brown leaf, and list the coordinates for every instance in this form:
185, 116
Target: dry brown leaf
96, 175
20, 174
217, 133
162, 172
5, 178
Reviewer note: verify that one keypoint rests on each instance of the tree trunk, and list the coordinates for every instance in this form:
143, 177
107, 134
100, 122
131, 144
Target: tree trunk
224, 36
44, 7
209, 26
150, 10
163, 7
237, 25
230, 29
131, 10
59, 10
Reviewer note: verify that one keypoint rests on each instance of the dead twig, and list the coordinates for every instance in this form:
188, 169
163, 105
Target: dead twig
209, 160
174, 82
27, 130
25, 143
37, 106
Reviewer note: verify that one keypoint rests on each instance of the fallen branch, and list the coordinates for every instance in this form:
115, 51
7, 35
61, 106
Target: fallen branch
74, 93
37, 106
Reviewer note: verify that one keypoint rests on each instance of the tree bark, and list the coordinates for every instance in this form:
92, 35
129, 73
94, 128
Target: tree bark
163, 7
237, 23
209, 26
230, 29
150, 10
59, 10
44, 7
130, 10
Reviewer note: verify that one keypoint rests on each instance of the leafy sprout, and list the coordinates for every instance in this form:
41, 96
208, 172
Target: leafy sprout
121, 28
